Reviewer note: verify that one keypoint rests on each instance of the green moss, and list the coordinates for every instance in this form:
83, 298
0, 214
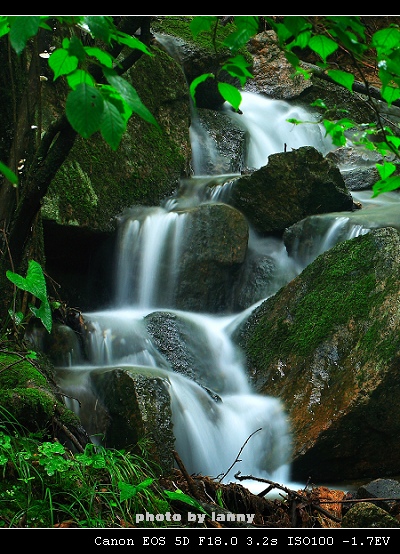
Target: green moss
16, 372
344, 289
179, 26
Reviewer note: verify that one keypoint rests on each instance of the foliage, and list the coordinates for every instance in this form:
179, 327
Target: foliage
348, 34
333, 33
35, 283
42, 484
91, 106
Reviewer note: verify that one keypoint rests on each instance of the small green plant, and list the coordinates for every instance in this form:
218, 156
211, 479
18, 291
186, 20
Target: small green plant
42, 484
35, 283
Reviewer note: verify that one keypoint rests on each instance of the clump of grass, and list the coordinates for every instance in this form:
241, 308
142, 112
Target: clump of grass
42, 484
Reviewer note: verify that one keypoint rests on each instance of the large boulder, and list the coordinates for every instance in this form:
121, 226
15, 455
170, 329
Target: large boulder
327, 345
136, 406
290, 187
215, 246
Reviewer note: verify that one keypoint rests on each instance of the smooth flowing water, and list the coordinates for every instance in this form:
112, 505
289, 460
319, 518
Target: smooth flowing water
209, 434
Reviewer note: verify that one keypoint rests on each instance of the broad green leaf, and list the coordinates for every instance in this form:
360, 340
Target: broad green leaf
62, 63
336, 129
34, 282
386, 185
344, 23
100, 26
246, 26
296, 24
4, 25
110, 94
390, 94
385, 170
44, 314
113, 125
230, 94
394, 140
84, 109
8, 174
179, 495
78, 77
386, 39
128, 491
131, 97
104, 57
17, 317
294, 121
318, 103
23, 27
132, 42
342, 78
237, 67
202, 23
323, 46
195, 83
302, 40
76, 48
71, 19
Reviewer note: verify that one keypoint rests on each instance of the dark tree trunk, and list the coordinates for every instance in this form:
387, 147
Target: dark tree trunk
42, 157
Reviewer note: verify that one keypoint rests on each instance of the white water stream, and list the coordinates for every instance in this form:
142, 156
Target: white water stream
209, 434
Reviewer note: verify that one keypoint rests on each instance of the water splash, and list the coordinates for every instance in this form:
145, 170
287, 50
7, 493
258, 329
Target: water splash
215, 411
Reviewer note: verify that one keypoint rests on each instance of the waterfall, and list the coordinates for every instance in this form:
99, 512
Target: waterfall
210, 429
268, 130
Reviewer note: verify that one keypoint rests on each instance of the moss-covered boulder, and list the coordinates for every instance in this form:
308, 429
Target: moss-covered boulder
29, 401
327, 345
96, 183
137, 404
215, 246
292, 186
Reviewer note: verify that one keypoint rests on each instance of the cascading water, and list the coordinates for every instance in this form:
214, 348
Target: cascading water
216, 415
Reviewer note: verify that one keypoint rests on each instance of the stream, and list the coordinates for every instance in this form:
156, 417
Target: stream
209, 435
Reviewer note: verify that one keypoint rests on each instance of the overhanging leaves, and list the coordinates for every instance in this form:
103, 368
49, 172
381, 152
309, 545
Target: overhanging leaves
84, 109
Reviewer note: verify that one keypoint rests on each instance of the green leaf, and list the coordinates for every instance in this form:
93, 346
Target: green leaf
386, 185
100, 26
247, 26
390, 94
78, 77
44, 314
34, 282
76, 48
62, 63
23, 27
237, 67
318, 103
113, 125
323, 46
104, 57
179, 495
336, 130
131, 97
302, 40
386, 39
84, 109
8, 174
132, 42
128, 491
385, 170
196, 82
230, 94
342, 78
4, 25
17, 317
296, 24
202, 23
